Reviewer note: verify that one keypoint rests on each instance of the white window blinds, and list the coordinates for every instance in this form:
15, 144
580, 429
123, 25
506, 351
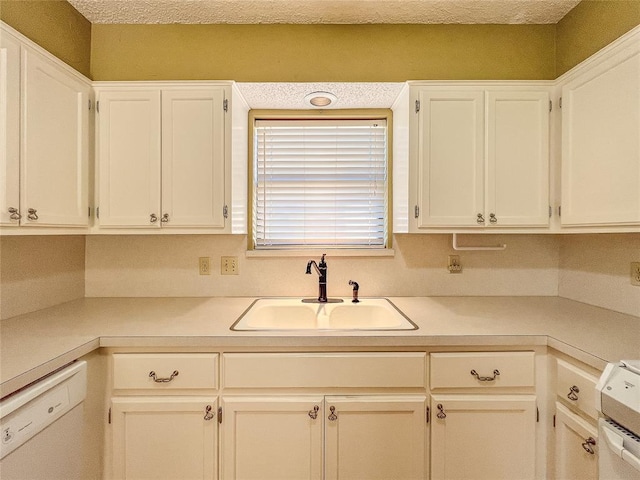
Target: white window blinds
320, 183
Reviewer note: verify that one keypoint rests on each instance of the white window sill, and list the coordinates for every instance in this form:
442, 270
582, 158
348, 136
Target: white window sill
310, 253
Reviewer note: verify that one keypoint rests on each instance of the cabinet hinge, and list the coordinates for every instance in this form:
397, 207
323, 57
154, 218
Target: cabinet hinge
550, 211
560, 210
416, 211
417, 106
89, 212
220, 415
98, 213
109, 416
550, 105
554, 421
225, 105
560, 102
225, 211
428, 415
98, 106
89, 102
537, 415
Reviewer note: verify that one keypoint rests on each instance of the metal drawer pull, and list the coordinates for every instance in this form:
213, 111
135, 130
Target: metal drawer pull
493, 218
588, 445
333, 417
441, 415
496, 372
14, 214
152, 374
480, 218
153, 218
32, 214
165, 218
572, 393
207, 413
314, 413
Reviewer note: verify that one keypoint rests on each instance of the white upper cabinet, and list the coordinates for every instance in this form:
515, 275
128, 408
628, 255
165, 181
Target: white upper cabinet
601, 138
9, 129
44, 144
129, 158
162, 155
517, 183
480, 157
193, 167
450, 157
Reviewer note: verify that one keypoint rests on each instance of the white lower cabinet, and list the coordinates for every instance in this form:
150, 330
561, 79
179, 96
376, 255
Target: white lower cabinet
575, 447
315, 437
480, 437
276, 438
164, 437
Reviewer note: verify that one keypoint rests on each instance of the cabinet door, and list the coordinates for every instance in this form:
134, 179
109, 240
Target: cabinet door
271, 438
517, 184
193, 158
129, 158
483, 437
601, 143
576, 447
375, 437
450, 158
173, 438
9, 129
55, 144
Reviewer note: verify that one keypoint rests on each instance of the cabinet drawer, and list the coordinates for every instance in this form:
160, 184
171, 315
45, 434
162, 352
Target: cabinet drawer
137, 371
577, 388
482, 370
290, 370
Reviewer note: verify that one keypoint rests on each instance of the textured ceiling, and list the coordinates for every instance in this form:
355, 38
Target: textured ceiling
290, 96
324, 11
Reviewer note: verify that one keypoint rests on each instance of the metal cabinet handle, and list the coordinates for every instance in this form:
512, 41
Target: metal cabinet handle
493, 218
156, 379
14, 214
207, 412
441, 415
496, 373
573, 391
314, 413
32, 214
588, 445
165, 218
332, 417
480, 218
153, 218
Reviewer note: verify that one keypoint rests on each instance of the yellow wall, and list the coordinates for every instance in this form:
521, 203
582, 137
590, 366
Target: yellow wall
591, 25
338, 53
54, 25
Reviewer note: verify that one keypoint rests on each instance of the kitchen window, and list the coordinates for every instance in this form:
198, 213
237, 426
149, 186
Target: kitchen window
320, 182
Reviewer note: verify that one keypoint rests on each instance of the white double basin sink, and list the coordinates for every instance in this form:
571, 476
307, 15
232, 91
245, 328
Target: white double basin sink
340, 314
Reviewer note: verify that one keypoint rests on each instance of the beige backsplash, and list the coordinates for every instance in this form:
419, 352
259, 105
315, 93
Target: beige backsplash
37, 272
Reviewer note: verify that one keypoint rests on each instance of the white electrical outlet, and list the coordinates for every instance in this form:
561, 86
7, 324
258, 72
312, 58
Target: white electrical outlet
635, 274
228, 265
204, 266
454, 264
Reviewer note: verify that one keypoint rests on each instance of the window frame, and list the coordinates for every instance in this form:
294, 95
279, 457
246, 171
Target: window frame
333, 114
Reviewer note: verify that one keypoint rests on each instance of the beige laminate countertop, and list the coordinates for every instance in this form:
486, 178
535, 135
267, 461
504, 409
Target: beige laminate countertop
33, 345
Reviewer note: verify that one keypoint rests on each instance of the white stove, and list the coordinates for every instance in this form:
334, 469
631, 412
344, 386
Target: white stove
618, 400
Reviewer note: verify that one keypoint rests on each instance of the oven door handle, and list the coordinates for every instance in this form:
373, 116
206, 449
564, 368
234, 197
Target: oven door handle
615, 442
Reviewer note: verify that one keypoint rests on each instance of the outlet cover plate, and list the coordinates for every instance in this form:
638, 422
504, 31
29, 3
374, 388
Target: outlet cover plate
635, 274
228, 265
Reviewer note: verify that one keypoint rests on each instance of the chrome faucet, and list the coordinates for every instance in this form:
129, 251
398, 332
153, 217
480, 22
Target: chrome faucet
321, 270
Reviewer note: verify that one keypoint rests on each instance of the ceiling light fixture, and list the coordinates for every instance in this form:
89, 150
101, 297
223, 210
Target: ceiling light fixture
320, 99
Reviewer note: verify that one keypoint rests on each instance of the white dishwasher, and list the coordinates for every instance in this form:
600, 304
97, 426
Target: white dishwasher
618, 400
41, 428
